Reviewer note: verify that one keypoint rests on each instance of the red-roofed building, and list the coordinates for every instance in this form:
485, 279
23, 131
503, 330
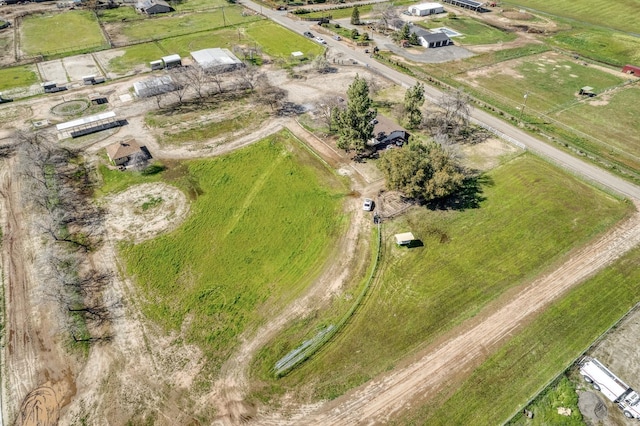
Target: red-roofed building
631, 69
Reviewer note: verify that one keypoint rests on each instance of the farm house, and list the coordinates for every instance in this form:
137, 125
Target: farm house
120, 153
216, 60
152, 7
431, 40
424, 9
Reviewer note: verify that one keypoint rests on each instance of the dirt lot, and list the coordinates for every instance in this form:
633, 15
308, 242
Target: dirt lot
142, 375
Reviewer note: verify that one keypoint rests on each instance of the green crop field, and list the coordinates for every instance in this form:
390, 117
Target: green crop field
279, 42
68, 31
550, 79
22, 76
598, 44
621, 14
263, 220
530, 216
542, 350
175, 25
474, 31
139, 54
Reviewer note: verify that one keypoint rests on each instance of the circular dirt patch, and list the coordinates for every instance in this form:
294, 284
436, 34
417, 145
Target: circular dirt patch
516, 15
144, 211
70, 107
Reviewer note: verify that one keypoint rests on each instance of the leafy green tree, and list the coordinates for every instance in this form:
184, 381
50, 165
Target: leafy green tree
413, 100
413, 39
355, 123
364, 37
421, 171
354, 34
405, 32
355, 16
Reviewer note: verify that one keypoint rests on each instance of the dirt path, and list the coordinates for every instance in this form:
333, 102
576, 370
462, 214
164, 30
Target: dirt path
39, 376
385, 396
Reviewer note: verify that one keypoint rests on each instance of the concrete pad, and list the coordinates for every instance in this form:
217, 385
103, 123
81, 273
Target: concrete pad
80, 66
53, 71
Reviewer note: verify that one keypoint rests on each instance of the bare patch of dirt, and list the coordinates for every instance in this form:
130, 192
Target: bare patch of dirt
144, 211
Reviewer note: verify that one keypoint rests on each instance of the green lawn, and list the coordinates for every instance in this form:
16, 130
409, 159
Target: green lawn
139, 54
262, 222
474, 31
223, 38
531, 214
73, 30
22, 76
174, 25
550, 79
542, 350
621, 14
200, 5
341, 13
119, 14
601, 45
279, 42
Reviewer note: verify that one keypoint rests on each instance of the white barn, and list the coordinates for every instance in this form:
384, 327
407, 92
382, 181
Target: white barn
424, 9
216, 60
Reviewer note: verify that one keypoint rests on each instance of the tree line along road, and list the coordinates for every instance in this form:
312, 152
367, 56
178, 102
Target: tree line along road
588, 171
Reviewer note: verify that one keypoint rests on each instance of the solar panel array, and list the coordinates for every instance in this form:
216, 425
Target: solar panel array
466, 3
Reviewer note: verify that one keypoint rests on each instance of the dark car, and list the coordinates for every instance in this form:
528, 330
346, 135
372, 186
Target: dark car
308, 34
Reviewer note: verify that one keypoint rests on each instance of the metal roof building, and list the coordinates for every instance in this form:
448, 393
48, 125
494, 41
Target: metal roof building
154, 86
216, 60
425, 9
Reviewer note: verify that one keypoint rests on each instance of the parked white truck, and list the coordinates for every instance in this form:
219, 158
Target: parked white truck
617, 391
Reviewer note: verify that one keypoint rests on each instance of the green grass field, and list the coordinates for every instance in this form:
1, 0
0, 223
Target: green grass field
545, 407
22, 76
119, 14
139, 54
68, 31
279, 42
262, 222
475, 32
544, 348
223, 38
550, 79
600, 45
621, 15
175, 25
612, 120
532, 214
189, 5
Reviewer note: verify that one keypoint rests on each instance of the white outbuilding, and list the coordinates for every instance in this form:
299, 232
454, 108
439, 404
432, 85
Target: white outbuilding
216, 60
154, 86
404, 239
424, 9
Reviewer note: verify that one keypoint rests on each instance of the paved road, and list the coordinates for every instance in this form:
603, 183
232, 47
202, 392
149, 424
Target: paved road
509, 132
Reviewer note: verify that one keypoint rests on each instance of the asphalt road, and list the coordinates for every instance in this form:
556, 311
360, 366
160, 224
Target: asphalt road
575, 165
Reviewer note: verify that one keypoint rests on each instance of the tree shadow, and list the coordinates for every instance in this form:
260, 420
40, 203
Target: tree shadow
469, 196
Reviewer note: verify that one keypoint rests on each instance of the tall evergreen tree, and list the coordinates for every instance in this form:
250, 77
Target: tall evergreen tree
413, 100
355, 16
355, 123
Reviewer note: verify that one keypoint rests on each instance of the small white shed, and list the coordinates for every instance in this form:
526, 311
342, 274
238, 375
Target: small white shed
404, 239
424, 9
171, 61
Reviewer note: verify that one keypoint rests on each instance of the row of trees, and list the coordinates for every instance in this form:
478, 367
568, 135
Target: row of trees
59, 187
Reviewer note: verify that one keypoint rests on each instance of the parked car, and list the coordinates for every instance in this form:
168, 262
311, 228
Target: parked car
320, 40
337, 37
367, 205
308, 34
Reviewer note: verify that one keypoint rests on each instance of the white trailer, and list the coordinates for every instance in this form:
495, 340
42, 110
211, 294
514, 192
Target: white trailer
617, 391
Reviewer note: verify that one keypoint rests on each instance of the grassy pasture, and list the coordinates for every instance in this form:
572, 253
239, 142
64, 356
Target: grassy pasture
200, 5
531, 215
341, 13
545, 406
182, 45
598, 44
550, 79
21, 76
119, 14
262, 222
60, 32
542, 350
175, 25
475, 32
279, 42
621, 14
611, 119
136, 55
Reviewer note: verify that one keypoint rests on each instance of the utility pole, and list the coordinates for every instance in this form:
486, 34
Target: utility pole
524, 105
